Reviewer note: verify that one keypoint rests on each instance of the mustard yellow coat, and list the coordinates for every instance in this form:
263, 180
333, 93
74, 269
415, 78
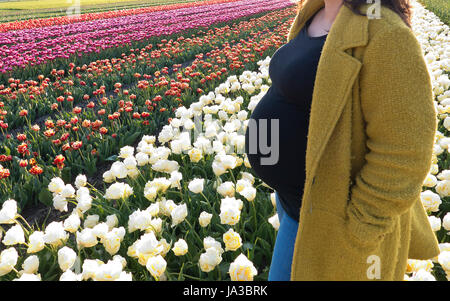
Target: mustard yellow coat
370, 139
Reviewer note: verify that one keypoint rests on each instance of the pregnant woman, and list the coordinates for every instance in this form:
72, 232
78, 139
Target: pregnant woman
354, 133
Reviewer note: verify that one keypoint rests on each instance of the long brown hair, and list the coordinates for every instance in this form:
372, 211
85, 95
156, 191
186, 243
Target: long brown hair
401, 7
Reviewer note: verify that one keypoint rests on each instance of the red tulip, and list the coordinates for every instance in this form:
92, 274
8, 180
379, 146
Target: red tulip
36, 170
21, 137
4, 173
76, 145
59, 161
49, 124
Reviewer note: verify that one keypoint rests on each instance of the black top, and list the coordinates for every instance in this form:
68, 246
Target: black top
292, 70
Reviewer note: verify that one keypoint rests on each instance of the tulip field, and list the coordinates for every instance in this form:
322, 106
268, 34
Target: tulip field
127, 130
46, 4
34, 10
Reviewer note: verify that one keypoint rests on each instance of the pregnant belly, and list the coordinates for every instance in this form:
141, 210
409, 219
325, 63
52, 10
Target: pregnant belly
278, 149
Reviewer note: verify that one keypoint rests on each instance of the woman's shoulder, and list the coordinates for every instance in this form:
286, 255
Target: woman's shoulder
386, 29
383, 21
392, 45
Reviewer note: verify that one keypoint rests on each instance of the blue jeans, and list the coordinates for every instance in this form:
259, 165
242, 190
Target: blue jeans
280, 268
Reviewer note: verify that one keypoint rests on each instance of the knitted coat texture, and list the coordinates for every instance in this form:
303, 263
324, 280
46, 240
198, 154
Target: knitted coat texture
370, 141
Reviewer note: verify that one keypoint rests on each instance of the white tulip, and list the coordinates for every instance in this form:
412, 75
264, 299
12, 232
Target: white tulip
56, 185
84, 203
100, 230
156, 265
130, 163
68, 191
196, 185
8, 212
444, 260
156, 225
118, 191
72, 223
91, 220
430, 200
175, 178
435, 223
60, 203
226, 189
108, 176
14, 235
111, 242
8, 259
210, 259
112, 221
70, 276
178, 214
126, 151
249, 193
66, 258
86, 238
108, 272
31, 264
274, 221
209, 242
443, 188
242, 269
36, 242
118, 170
142, 159
422, 275
204, 219
180, 247
80, 181
90, 268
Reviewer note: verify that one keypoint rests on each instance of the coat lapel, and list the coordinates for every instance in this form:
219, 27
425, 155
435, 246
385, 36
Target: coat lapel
336, 72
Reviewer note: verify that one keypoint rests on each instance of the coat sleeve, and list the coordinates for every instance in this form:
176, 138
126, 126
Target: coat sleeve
397, 105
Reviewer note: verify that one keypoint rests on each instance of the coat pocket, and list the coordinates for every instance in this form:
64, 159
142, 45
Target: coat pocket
326, 250
365, 235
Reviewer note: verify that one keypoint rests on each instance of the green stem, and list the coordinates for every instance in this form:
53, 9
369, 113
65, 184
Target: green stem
209, 204
232, 176
193, 231
24, 229
82, 157
254, 215
190, 277
14, 269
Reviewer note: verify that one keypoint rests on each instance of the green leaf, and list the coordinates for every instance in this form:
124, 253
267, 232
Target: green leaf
131, 139
247, 246
66, 175
45, 197
224, 267
112, 158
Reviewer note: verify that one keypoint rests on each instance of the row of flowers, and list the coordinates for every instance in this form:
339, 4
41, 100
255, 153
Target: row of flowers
42, 45
63, 20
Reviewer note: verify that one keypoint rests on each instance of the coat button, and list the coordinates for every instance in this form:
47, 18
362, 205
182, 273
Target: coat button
313, 180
